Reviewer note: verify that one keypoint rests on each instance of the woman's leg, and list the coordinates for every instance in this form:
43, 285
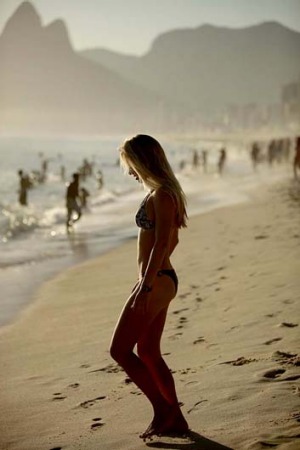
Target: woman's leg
148, 348
171, 418
127, 332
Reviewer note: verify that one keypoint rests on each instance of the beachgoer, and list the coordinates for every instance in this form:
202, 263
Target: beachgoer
83, 194
221, 160
204, 160
72, 204
195, 160
23, 187
255, 154
99, 177
62, 172
296, 162
160, 215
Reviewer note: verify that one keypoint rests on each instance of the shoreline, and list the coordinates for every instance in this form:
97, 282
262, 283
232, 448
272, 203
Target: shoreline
87, 246
231, 340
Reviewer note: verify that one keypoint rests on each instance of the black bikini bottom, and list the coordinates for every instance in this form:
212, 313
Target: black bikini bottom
170, 273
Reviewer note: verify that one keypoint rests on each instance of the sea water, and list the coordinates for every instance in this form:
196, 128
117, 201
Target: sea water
34, 242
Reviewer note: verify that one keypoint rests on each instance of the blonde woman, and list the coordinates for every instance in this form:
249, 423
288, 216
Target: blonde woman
142, 320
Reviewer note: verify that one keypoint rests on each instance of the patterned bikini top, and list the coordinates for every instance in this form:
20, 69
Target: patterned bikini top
141, 218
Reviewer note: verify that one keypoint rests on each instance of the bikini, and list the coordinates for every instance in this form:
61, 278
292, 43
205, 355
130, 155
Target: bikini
141, 218
142, 221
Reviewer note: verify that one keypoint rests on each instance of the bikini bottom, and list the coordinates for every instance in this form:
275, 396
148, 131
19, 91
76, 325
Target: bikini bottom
170, 273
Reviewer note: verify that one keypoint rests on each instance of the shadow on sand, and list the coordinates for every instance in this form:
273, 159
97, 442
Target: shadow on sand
193, 441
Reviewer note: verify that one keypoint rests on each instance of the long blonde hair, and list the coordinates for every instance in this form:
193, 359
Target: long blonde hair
146, 157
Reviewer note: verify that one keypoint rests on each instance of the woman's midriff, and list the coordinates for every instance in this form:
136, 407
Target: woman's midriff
145, 244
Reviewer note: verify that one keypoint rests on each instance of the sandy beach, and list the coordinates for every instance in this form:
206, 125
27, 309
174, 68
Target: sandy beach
231, 338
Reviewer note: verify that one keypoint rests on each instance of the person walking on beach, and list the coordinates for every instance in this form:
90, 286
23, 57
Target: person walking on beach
296, 162
23, 187
72, 198
221, 160
83, 194
160, 215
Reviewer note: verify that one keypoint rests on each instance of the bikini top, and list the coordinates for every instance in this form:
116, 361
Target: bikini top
141, 218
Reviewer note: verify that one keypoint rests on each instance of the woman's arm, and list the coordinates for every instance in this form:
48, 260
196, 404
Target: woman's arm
164, 210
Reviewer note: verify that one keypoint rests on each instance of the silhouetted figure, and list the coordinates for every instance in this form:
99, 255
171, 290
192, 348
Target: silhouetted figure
99, 177
195, 159
221, 160
271, 152
83, 194
296, 162
62, 173
160, 216
44, 170
182, 164
204, 160
72, 204
287, 149
255, 154
23, 188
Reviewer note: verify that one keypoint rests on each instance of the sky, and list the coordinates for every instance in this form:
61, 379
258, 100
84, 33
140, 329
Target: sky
130, 26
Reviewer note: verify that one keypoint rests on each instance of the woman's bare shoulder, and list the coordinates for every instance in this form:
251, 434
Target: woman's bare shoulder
163, 199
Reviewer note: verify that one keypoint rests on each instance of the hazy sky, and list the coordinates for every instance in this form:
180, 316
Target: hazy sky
130, 26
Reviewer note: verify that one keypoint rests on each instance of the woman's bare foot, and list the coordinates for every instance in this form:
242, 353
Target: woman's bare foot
173, 422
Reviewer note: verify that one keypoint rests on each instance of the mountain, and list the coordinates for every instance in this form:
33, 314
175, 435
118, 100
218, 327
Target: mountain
45, 86
186, 78
209, 67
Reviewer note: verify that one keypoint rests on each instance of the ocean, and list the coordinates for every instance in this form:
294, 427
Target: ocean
34, 243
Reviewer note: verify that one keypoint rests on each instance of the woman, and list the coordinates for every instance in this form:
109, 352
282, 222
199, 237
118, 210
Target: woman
142, 320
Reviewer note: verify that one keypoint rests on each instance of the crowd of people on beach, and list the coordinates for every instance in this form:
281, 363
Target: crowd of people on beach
271, 152
76, 196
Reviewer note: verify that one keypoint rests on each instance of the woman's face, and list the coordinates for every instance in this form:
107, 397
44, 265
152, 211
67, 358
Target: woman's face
134, 174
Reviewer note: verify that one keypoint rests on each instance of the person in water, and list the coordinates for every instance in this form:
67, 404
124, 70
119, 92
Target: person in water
160, 215
73, 201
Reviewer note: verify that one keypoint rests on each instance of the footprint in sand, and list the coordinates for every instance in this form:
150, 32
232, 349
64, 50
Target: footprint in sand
175, 336
286, 358
89, 403
56, 448
74, 385
239, 361
178, 311
288, 301
199, 339
196, 405
182, 322
97, 424
182, 319
296, 416
273, 340
58, 396
187, 371
288, 324
273, 373
275, 441
183, 296
110, 368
